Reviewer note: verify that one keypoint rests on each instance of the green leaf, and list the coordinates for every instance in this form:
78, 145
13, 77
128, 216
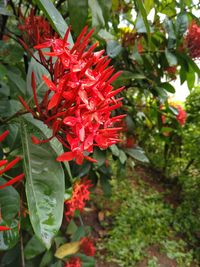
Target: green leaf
100, 156
55, 144
122, 156
144, 17
181, 24
55, 18
136, 55
115, 150
78, 12
171, 58
97, 14
33, 248
113, 48
148, 4
9, 239
106, 9
137, 153
46, 259
168, 87
190, 78
17, 80
9, 202
44, 187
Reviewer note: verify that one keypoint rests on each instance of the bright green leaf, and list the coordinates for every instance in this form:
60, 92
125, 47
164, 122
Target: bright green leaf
44, 187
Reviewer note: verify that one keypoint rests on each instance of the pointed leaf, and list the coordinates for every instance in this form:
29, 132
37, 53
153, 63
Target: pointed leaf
44, 187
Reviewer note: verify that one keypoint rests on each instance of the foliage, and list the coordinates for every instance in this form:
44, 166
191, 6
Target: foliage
152, 51
141, 221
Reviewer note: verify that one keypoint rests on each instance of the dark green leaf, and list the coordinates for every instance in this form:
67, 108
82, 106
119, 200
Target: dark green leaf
100, 156
46, 259
10, 202
168, 87
55, 18
181, 24
78, 12
33, 248
9, 239
44, 187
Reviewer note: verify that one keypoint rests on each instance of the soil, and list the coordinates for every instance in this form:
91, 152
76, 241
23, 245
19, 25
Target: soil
94, 217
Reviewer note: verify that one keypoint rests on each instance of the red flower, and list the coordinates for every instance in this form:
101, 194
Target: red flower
193, 40
87, 246
182, 115
79, 197
35, 29
171, 70
73, 262
80, 98
4, 167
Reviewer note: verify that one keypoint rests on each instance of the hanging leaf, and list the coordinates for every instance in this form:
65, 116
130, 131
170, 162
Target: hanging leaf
44, 187
55, 18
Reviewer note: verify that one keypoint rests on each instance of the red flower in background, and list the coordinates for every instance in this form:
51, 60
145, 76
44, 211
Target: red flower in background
171, 70
87, 246
80, 97
73, 262
79, 197
193, 40
4, 167
35, 29
182, 115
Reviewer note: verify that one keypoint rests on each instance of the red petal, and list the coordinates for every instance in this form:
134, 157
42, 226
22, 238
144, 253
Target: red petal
71, 121
14, 180
4, 228
54, 101
10, 165
49, 83
67, 156
3, 135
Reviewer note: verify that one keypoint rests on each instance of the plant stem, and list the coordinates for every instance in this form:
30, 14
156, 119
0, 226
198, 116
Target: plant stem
22, 250
17, 114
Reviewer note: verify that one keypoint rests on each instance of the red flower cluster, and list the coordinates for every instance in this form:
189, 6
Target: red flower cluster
80, 195
78, 105
87, 246
35, 29
74, 262
182, 115
193, 40
4, 167
171, 70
